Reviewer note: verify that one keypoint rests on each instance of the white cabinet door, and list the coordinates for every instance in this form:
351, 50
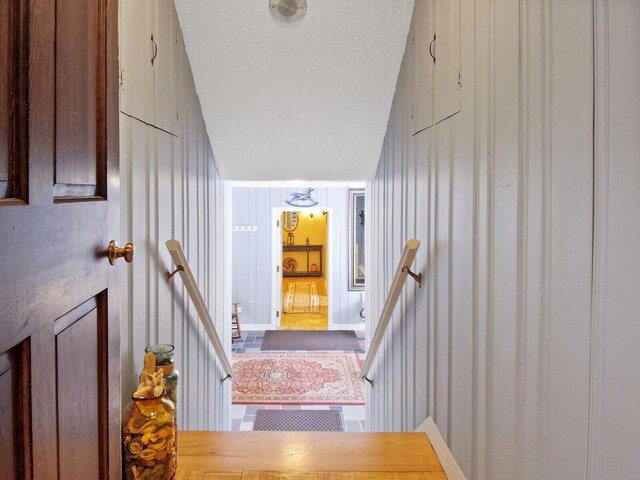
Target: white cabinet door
408, 63
136, 51
436, 25
424, 31
446, 49
164, 37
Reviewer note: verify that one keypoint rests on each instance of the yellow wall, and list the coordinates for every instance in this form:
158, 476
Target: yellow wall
314, 228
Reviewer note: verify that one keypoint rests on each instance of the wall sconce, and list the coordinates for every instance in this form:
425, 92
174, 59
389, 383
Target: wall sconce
316, 211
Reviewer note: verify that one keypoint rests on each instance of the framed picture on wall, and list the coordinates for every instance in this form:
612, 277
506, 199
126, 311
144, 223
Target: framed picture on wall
356, 239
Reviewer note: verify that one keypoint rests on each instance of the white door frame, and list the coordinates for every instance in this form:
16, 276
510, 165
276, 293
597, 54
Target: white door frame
276, 262
276, 265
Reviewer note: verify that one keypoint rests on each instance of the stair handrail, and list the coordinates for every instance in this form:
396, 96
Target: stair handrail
404, 269
182, 267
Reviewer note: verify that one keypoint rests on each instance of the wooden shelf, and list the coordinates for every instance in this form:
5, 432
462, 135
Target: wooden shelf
308, 249
302, 273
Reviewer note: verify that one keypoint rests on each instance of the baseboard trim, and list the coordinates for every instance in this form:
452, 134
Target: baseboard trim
256, 326
449, 464
268, 326
347, 326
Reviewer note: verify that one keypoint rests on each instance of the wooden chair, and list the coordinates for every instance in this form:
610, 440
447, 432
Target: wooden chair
235, 322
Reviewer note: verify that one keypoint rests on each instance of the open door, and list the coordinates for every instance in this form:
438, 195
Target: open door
59, 325
301, 263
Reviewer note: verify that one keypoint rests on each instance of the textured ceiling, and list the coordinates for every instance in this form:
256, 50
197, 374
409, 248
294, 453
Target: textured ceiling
308, 100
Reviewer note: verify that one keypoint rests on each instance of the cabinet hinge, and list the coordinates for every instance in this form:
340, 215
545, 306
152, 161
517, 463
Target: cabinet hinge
460, 77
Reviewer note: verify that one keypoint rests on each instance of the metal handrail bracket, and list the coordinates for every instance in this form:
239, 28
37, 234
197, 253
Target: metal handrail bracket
404, 269
182, 267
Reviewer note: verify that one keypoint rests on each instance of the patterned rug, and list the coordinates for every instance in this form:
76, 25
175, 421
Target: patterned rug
297, 379
298, 421
302, 297
310, 340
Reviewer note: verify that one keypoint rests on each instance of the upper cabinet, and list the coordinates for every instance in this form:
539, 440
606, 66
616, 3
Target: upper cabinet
150, 59
437, 65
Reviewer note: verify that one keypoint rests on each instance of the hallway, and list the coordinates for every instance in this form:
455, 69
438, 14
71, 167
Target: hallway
306, 321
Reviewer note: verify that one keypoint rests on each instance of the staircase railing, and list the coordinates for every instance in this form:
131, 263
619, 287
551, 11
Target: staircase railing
182, 267
404, 269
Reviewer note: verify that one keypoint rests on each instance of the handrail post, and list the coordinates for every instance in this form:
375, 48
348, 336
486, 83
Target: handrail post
404, 269
182, 267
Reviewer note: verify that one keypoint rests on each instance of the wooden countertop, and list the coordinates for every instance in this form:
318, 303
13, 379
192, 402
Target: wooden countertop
306, 456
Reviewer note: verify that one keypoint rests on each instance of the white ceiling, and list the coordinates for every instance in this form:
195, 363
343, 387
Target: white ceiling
303, 101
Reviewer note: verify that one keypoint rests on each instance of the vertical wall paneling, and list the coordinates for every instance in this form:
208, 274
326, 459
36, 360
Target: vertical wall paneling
571, 229
602, 195
171, 189
524, 328
614, 385
533, 225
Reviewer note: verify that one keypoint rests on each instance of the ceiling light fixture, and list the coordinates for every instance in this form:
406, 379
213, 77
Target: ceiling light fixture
288, 11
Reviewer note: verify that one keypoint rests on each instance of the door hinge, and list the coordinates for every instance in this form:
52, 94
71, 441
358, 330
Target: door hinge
413, 35
277, 313
278, 223
411, 110
121, 78
277, 268
460, 77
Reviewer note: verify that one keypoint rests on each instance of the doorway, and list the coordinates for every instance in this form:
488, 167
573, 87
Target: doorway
259, 241
302, 273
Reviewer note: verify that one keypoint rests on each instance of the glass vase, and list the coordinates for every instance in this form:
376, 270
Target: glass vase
149, 437
164, 360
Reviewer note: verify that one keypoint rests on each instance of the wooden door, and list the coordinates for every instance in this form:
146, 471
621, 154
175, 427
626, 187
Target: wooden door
59, 325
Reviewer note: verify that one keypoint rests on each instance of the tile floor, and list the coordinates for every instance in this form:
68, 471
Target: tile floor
243, 416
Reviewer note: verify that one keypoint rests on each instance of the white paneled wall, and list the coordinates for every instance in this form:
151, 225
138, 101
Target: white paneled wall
170, 189
522, 342
252, 259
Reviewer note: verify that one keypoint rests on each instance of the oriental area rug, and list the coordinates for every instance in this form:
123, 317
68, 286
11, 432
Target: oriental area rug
297, 379
302, 297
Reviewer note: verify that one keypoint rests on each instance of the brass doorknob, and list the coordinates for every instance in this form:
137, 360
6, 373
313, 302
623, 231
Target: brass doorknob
116, 252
